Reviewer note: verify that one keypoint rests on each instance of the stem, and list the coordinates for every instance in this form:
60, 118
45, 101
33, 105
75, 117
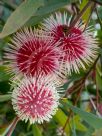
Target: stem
92, 67
80, 14
97, 96
97, 92
75, 87
86, 100
94, 106
97, 2
80, 90
71, 112
88, 73
13, 125
68, 119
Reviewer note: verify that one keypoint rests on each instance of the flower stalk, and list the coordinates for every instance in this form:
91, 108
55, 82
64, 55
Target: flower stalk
12, 127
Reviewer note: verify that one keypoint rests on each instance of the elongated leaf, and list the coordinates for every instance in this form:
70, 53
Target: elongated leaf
5, 97
73, 129
36, 130
35, 19
11, 4
90, 118
98, 132
4, 76
78, 124
62, 118
49, 7
52, 5
89, 131
20, 16
87, 12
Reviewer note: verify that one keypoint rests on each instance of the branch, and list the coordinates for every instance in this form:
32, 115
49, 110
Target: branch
97, 2
80, 82
80, 14
13, 125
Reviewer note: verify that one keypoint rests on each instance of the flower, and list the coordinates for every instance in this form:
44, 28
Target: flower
35, 100
78, 46
32, 55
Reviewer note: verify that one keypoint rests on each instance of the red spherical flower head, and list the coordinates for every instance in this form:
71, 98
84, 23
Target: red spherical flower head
78, 46
33, 55
35, 100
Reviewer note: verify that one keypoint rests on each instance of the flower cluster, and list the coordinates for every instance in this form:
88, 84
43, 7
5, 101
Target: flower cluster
32, 55
43, 58
35, 101
78, 46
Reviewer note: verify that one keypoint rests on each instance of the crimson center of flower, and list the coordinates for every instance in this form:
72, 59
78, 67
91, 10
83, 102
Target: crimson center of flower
71, 40
35, 57
35, 103
61, 31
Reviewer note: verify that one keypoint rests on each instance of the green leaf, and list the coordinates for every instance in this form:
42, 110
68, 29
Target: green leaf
89, 131
87, 12
98, 132
20, 16
36, 130
73, 129
79, 126
35, 19
62, 118
99, 78
5, 97
10, 3
4, 76
49, 7
90, 118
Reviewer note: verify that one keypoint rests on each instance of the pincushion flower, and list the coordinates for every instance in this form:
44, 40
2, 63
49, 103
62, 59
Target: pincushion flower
78, 46
32, 55
35, 100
